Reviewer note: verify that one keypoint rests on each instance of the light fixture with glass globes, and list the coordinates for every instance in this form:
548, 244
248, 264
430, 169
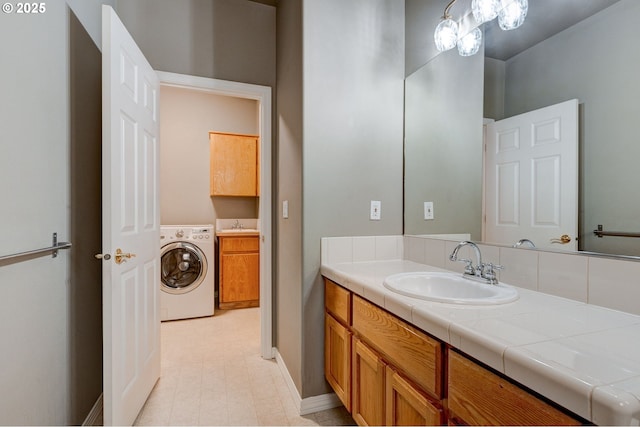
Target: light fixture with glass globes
510, 13
470, 43
446, 34
485, 10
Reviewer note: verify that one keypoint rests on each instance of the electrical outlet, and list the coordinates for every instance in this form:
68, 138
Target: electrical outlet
428, 210
375, 210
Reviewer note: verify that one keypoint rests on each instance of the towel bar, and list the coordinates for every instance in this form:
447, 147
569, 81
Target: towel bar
54, 248
600, 233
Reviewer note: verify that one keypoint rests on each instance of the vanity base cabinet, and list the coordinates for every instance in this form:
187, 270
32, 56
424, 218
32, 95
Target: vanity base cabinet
407, 405
393, 370
477, 396
368, 382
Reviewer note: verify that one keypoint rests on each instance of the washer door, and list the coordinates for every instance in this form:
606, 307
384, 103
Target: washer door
183, 267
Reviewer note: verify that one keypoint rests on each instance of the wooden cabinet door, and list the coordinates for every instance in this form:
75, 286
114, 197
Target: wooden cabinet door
408, 406
337, 358
240, 278
367, 381
234, 165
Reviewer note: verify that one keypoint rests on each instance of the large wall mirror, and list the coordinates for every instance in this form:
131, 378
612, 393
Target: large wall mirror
594, 58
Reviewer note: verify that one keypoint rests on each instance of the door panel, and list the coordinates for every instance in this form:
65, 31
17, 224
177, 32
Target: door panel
131, 318
531, 186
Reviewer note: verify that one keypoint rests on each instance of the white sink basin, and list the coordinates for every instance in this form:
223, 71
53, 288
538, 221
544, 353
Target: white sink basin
450, 288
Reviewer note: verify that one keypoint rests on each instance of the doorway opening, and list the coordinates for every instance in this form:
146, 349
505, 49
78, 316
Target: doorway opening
262, 96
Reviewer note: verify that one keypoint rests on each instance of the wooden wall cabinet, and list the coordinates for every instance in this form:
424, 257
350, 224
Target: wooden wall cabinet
239, 266
235, 165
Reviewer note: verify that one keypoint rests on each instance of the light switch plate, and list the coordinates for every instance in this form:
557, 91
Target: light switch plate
285, 209
428, 210
375, 214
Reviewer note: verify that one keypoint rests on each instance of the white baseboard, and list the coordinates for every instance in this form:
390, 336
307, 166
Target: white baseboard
94, 418
307, 405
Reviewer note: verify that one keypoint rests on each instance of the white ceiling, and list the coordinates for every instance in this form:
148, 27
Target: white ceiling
544, 19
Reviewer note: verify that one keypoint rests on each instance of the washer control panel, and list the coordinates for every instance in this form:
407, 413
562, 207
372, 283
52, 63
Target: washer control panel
197, 233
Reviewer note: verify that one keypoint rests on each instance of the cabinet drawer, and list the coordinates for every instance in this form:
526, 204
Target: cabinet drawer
337, 301
239, 244
477, 396
419, 355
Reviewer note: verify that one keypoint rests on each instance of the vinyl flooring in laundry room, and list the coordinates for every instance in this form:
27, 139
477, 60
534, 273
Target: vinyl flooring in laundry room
212, 374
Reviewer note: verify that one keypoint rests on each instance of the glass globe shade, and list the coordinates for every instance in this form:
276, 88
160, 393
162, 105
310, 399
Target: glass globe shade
470, 43
485, 10
512, 14
446, 35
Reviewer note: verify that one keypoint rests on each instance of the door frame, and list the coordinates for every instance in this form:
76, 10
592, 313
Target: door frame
262, 94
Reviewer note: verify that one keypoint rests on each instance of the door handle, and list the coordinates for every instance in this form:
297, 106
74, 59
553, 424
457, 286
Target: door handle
564, 239
119, 256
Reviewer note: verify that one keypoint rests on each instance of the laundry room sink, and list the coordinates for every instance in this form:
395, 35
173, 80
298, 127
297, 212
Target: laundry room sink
238, 232
237, 227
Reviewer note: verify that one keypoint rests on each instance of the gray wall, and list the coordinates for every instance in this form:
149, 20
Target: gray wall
50, 316
352, 146
443, 145
288, 280
85, 309
222, 39
421, 19
596, 61
443, 129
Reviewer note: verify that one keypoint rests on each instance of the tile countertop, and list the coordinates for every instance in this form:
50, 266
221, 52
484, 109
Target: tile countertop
584, 357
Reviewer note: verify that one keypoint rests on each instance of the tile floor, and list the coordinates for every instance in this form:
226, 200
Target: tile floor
212, 374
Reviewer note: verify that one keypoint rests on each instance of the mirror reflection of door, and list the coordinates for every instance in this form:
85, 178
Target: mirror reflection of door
531, 178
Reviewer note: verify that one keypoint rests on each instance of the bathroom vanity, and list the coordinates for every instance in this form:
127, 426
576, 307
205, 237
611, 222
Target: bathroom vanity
541, 359
388, 372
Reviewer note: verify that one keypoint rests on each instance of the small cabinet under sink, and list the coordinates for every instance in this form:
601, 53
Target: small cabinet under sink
239, 258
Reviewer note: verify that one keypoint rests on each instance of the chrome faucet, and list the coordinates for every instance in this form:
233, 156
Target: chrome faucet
523, 242
237, 225
481, 272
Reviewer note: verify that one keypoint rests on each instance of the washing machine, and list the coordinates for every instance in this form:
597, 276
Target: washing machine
187, 276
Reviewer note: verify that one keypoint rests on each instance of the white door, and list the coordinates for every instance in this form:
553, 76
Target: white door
531, 178
130, 222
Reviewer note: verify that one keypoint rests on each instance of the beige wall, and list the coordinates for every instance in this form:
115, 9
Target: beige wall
186, 118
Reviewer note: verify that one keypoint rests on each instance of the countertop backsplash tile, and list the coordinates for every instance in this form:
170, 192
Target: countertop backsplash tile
607, 282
